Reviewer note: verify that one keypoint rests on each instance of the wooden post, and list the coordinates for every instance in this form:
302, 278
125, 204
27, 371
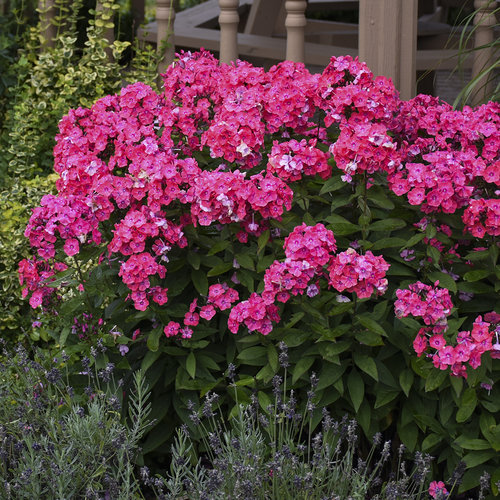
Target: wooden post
165, 17
228, 20
47, 27
388, 41
295, 26
484, 23
137, 8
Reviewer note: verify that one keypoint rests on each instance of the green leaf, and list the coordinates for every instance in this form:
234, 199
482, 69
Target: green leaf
256, 355
200, 281
220, 269
472, 444
416, 238
335, 348
367, 364
262, 240
409, 435
329, 375
474, 458
371, 324
445, 280
406, 380
245, 260
368, 338
387, 225
379, 197
476, 275
385, 396
295, 318
435, 379
264, 401
334, 183
272, 357
191, 364
467, 405
356, 388
148, 360
431, 441
218, 247
343, 228
388, 243
301, 367
194, 259
246, 279
153, 341
64, 335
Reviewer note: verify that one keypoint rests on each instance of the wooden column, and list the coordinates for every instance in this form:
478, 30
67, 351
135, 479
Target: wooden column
137, 8
47, 27
484, 22
388, 41
228, 21
295, 24
165, 17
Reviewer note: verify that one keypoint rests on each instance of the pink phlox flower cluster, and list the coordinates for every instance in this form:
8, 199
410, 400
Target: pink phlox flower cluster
292, 159
364, 146
255, 314
469, 348
313, 244
443, 181
135, 274
431, 303
230, 197
307, 250
360, 274
68, 218
33, 276
289, 100
482, 217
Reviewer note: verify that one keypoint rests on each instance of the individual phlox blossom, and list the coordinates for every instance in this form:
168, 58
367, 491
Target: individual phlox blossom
171, 329
292, 159
314, 244
34, 275
432, 304
438, 488
421, 343
364, 146
255, 314
159, 295
482, 217
135, 274
360, 274
284, 278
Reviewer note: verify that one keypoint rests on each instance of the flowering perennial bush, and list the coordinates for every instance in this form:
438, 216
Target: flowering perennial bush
236, 191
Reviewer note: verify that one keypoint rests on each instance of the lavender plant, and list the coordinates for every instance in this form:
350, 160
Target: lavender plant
57, 443
274, 452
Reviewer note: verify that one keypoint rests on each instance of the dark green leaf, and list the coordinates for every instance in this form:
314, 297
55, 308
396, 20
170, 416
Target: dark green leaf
191, 365
200, 281
220, 269
356, 388
476, 275
367, 364
387, 225
302, 365
245, 260
406, 381
467, 406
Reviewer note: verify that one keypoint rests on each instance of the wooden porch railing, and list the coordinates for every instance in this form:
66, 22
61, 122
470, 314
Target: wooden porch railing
387, 35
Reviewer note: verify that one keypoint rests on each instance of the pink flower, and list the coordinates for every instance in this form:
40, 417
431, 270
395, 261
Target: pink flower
437, 487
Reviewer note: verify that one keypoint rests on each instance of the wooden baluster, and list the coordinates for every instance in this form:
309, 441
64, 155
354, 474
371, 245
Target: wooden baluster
295, 26
484, 22
228, 21
47, 27
165, 17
